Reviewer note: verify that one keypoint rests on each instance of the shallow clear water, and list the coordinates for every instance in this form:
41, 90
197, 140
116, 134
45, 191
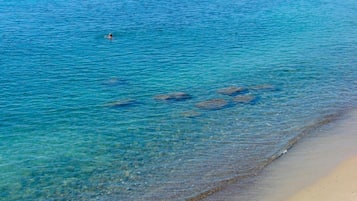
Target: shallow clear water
61, 140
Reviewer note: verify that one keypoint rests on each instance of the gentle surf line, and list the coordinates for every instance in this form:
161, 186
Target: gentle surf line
325, 120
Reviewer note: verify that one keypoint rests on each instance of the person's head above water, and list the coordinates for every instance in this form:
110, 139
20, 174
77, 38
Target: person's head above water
109, 36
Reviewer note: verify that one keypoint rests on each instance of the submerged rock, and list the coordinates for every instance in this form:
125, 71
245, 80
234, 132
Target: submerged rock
122, 103
176, 96
232, 91
244, 99
114, 81
263, 87
213, 104
191, 114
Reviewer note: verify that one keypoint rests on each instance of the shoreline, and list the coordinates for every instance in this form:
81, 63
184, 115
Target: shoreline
314, 155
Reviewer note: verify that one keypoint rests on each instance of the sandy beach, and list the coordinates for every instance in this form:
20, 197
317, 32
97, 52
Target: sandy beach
320, 167
338, 185
340, 182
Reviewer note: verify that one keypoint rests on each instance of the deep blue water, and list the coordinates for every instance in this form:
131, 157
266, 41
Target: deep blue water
61, 138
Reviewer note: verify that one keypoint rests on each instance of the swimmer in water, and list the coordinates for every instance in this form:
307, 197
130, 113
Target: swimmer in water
109, 36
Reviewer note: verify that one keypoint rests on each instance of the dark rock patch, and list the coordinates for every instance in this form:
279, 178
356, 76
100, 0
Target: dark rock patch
176, 96
266, 87
244, 99
191, 114
114, 81
122, 103
232, 91
212, 104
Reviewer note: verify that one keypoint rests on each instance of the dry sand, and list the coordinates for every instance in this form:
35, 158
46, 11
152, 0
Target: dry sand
338, 185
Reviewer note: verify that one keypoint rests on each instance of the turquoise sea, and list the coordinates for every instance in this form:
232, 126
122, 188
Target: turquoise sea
83, 117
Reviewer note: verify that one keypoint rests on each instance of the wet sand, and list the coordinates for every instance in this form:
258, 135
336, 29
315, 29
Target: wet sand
320, 167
